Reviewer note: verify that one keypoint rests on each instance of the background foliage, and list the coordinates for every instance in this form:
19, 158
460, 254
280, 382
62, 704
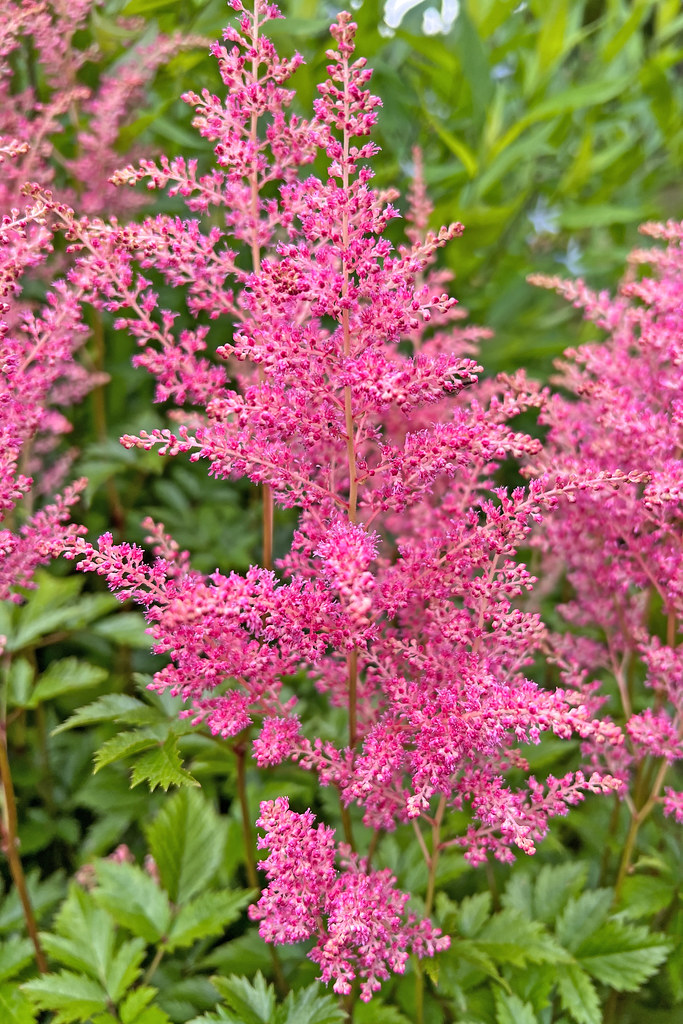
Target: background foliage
551, 129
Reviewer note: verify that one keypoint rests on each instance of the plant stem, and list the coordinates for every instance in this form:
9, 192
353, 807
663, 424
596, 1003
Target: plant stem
637, 820
250, 859
11, 846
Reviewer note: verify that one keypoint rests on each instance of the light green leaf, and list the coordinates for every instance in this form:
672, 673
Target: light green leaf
162, 767
145, 911
565, 102
582, 916
135, 1008
207, 915
376, 1012
71, 997
623, 956
124, 968
186, 840
113, 707
511, 1010
124, 744
65, 676
554, 885
578, 995
644, 895
14, 1006
253, 1002
15, 954
125, 628
313, 1006
473, 913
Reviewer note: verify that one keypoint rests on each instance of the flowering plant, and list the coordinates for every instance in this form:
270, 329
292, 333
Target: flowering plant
384, 649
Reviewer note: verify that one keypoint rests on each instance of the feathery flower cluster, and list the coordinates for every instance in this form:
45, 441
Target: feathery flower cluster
624, 550
355, 914
347, 390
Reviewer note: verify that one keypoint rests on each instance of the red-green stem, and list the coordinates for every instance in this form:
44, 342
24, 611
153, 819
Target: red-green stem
432, 865
11, 847
240, 751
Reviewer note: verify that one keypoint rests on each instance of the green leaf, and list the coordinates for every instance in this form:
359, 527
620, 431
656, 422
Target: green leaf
565, 102
578, 995
510, 938
20, 682
71, 997
313, 1006
66, 676
511, 1010
554, 885
15, 954
623, 956
14, 1006
124, 744
205, 916
473, 913
124, 969
43, 895
162, 767
253, 1002
186, 839
126, 629
113, 707
644, 895
135, 1008
145, 911
582, 916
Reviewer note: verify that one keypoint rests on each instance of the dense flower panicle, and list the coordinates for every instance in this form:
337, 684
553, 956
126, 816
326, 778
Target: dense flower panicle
622, 547
347, 387
355, 915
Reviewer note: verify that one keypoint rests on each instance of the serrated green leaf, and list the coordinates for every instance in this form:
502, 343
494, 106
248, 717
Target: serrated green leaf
205, 916
65, 676
254, 1002
15, 954
644, 895
578, 995
124, 968
511, 1010
473, 913
582, 916
510, 938
113, 707
71, 997
186, 839
14, 1006
145, 911
313, 1006
123, 745
162, 767
622, 956
554, 886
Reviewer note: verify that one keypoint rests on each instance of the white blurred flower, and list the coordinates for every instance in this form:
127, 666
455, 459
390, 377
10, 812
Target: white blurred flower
433, 21
572, 259
545, 219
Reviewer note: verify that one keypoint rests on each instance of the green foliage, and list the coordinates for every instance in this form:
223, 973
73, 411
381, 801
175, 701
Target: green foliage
553, 938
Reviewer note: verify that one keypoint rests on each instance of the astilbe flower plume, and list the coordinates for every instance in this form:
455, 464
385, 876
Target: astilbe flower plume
347, 389
623, 551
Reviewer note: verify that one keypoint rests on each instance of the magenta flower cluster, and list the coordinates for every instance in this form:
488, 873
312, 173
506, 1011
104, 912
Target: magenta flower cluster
344, 387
